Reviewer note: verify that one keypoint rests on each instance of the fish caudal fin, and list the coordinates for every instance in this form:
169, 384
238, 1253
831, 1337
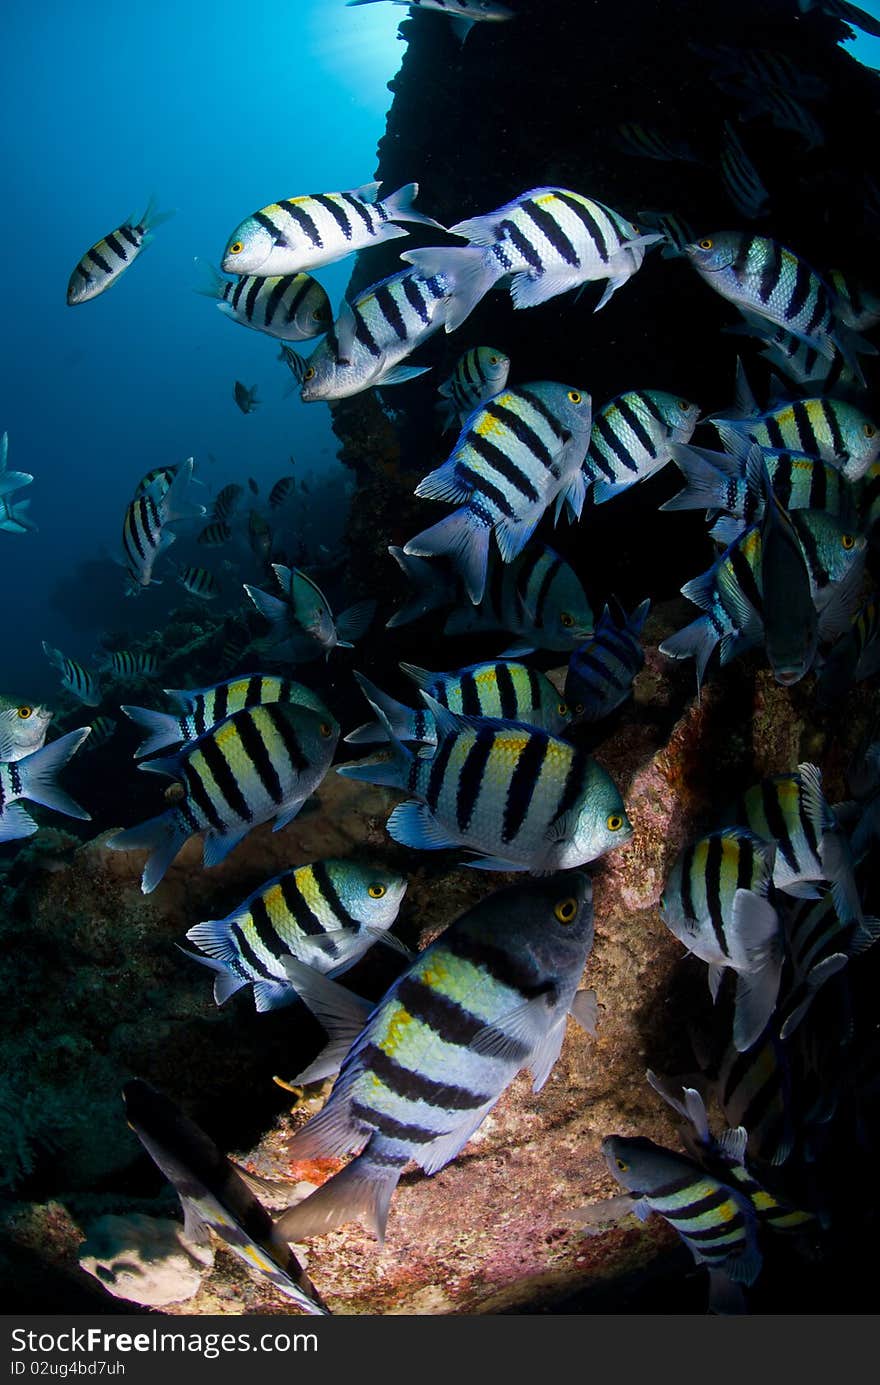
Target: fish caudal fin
469, 271
399, 206
37, 774
163, 728
162, 837
361, 1192
466, 541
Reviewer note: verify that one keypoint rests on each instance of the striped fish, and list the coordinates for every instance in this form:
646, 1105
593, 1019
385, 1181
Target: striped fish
326, 915
505, 788
292, 307
280, 491
372, 337
717, 480
258, 764
602, 669
163, 474
633, 436
226, 501
726, 1159
764, 278
201, 709
479, 373
819, 945
515, 455
647, 143
673, 228
741, 180
716, 1222
74, 677
499, 689
23, 727
785, 111
125, 663
302, 618
198, 582
488, 997
304, 232
549, 240
102, 265
830, 429
213, 535
537, 597
790, 811
716, 902
753, 1090
145, 532
33, 777
798, 360
212, 1194
102, 729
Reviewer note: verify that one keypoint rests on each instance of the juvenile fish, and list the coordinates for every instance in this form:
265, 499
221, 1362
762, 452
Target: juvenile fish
488, 997
634, 436
501, 689
515, 794
33, 777
372, 337
716, 901
198, 582
245, 398
301, 233
145, 531
258, 764
102, 265
213, 535
280, 491
213, 1195
226, 500
125, 663
326, 915
302, 617
23, 727
291, 307
515, 455
478, 374
548, 239
74, 677
601, 671
102, 729
537, 597
200, 709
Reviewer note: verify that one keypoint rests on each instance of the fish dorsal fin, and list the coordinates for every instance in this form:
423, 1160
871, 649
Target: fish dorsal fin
420, 676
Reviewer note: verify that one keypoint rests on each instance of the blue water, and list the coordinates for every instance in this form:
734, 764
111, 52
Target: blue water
216, 109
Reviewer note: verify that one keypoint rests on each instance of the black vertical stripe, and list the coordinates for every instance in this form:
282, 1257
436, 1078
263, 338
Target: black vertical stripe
470, 779
250, 958
470, 696
281, 722
222, 773
97, 258
483, 489
415, 298
523, 246
506, 467
775, 820
437, 774
687, 895
253, 695
523, 782
240, 288
583, 213
220, 710
117, 247
253, 294
200, 797
273, 301
303, 221
534, 689
296, 906
574, 782
521, 430
391, 312
550, 228
331, 898
800, 292
714, 858
360, 208
506, 691
631, 417
771, 269
515, 970
745, 863
337, 213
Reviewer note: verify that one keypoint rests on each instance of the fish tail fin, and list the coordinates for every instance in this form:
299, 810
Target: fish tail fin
400, 718
163, 728
211, 282
696, 641
705, 488
226, 981
176, 503
469, 270
162, 837
37, 774
399, 206
465, 539
153, 218
272, 608
432, 588
17, 521
360, 1192
392, 772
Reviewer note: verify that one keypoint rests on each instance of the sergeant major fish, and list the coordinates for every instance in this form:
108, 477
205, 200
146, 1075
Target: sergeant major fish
145, 532
326, 914
300, 233
488, 997
830, 429
522, 798
198, 582
537, 597
102, 265
33, 777
23, 727
291, 307
12, 512
548, 239
212, 1194
74, 677
601, 670
479, 373
634, 436
258, 764
516, 454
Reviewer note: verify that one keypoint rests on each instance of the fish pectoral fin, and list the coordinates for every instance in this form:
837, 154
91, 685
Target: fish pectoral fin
523, 1028
585, 1009
715, 974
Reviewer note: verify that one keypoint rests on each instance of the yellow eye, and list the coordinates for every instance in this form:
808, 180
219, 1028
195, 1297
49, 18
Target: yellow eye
326, 729
574, 396
566, 620
622, 1165
869, 430
562, 709
236, 247
848, 541
493, 360
614, 822
25, 712
310, 373
683, 405
376, 891
705, 244
566, 909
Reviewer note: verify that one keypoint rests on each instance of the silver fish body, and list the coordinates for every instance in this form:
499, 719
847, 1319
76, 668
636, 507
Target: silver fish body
23, 727
291, 307
105, 261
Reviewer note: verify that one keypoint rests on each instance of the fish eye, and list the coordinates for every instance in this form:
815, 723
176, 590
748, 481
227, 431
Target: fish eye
493, 360
310, 373
705, 244
579, 707
327, 730
562, 709
683, 405
848, 541
575, 396
622, 1165
566, 909
614, 822
566, 619
236, 247
25, 712
869, 430
318, 315
376, 890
